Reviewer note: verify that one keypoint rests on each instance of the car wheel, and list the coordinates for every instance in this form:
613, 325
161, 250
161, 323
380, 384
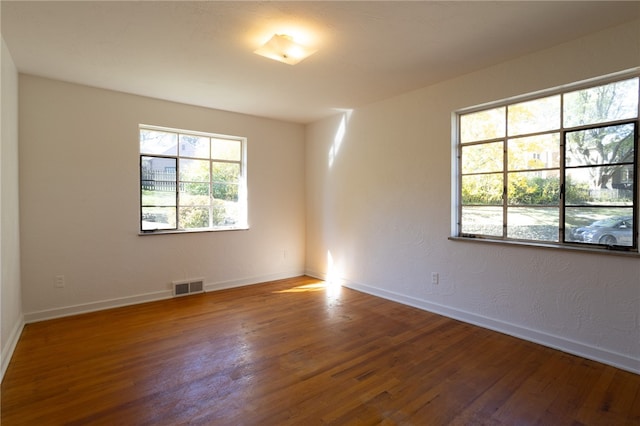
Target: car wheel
608, 240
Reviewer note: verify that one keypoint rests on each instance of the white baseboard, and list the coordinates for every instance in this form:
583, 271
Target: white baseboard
95, 306
223, 285
577, 348
315, 274
604, 356
143, 298
7, 351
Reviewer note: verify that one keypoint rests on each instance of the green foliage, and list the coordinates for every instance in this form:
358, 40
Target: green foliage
218, 211
198, 217
481, 125
576, 192
225, 181
482, 189
195, 189
194, 217
523, 190
533, 191
227, 192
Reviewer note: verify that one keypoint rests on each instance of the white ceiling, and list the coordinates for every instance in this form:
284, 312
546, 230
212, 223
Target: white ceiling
201, 53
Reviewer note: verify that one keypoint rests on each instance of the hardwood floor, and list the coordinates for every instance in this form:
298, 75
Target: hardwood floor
293, 352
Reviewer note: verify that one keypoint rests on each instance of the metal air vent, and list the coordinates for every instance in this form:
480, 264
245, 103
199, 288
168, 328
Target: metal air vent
186, 287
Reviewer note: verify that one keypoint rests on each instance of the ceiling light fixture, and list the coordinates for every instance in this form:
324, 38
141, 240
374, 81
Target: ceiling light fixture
282, 48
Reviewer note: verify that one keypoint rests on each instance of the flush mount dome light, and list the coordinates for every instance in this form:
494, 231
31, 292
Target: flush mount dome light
282, 48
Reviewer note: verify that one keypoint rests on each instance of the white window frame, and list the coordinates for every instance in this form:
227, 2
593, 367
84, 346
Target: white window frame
241, 218
456, 212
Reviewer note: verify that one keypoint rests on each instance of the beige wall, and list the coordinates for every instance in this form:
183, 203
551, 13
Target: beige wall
80, 201
379, 214
377, 205
10, 291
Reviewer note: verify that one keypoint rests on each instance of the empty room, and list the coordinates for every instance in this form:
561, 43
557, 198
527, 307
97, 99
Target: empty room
318, 212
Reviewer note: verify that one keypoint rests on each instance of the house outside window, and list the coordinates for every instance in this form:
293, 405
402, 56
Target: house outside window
191, 181
558, 169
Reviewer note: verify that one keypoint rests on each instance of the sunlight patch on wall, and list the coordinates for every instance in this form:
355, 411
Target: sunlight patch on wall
339, 137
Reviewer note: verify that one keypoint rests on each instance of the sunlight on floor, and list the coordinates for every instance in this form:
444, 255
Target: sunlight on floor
333, 290
319, 286
332, 286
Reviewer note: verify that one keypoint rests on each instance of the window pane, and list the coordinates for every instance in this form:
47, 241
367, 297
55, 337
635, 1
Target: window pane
226, 213
533, 223
194, 217
534, 152
608, 226
539, 115
225, 191
194, 170
482, 125
225, 172
158, 198
158, 218
158, 168
156, 142
194, 194
486, 157
158, 174
601, 145
482, 221
194, 146
482, 189
177, 175
226, 149
614, 101
604, 185
534, 188
527, 167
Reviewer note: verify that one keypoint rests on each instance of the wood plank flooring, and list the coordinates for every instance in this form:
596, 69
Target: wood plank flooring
293, 352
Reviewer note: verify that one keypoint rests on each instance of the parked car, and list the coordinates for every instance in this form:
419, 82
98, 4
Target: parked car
611, 231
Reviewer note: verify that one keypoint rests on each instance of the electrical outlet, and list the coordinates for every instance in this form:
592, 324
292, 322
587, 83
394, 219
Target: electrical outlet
59, 281
435, 278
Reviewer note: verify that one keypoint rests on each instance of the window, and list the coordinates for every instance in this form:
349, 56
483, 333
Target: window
559, 169
191, 181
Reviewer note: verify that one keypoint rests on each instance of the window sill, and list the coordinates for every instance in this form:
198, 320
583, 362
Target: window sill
550, 246
188, 231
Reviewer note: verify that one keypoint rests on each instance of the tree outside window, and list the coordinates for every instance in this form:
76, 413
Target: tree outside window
553, 169
191, 181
